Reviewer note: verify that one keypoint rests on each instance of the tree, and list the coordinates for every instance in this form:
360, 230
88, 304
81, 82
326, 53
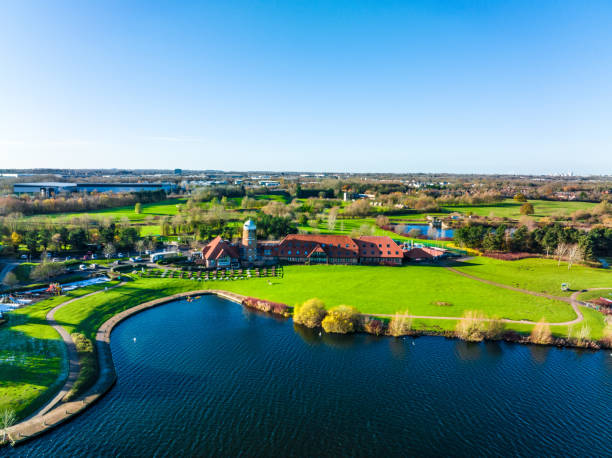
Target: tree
140, 246
574, 254
341, 320
560, 251
331, 218
138, 208
109, 250
16, 239
541, 333
7, 419
310, 313
400, 324
520, 197
527, 209
31, 241
10, 280
358, 208
46, 270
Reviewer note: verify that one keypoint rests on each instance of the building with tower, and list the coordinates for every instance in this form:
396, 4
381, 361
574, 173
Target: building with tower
249, 241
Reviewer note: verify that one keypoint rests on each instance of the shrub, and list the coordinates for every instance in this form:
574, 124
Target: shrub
494, 329
400, 324
373, 325
472, 327
310, 313
88, 370
341, 320
266, 306
541, 333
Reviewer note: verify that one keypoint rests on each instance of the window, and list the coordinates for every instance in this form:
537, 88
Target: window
297, 252
397, 252
387, 245
347, 245
388, 252
289, 252
380, 245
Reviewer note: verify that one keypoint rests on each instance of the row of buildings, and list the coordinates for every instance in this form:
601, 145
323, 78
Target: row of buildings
50, 189
310, 249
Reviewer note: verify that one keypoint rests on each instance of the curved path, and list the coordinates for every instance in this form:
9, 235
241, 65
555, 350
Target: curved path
52, 414
71, 353
570, 300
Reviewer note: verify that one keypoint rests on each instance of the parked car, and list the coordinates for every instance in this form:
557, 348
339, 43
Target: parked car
135, 259
94, 256
55, 260
148, 252
68, 258
24, 256
83, 267
120, 255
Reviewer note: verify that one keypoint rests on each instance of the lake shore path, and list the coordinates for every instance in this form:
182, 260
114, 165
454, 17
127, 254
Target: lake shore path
56, 412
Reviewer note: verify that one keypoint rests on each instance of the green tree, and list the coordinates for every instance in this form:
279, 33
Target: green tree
310, 313
342, 319
520, 197
527, 209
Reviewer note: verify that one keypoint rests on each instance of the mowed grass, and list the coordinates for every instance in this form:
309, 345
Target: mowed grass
511, 209
589, 295
32, 356
376, 290
537, 274
164, 208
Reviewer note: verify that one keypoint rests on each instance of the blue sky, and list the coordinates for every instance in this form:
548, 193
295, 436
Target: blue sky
363, 86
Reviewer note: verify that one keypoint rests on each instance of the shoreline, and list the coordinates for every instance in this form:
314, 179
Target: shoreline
33, 427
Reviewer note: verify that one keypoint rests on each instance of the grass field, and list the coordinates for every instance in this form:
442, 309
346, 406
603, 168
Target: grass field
536, 274
606, 293
164, 208
32, 356
32, 359
511, 209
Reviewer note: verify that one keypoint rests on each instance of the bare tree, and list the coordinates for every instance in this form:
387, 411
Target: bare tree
574, 254
109, 250
140, 246
10, 280
331, 218
560, 251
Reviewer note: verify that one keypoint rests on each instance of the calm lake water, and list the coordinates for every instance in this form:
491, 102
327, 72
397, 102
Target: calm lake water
210, 378
431, 232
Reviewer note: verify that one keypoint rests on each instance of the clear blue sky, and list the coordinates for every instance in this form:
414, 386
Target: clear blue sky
465, 86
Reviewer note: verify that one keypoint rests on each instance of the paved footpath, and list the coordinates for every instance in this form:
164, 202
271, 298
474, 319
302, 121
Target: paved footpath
56, 412
71, 352
572, 300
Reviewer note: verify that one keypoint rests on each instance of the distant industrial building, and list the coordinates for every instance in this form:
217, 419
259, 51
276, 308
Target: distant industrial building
48, 189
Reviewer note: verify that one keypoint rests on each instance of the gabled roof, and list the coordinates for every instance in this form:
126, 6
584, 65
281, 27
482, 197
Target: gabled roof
219, 248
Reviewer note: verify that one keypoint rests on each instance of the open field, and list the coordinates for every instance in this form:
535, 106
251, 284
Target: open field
537, 274
164, 208
32, 356
511, 209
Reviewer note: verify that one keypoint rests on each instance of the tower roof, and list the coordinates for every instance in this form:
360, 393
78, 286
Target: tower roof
249, 225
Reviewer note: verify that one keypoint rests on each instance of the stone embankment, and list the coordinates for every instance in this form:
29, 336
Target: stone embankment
47, 419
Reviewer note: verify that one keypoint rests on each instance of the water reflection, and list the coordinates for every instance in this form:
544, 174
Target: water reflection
468, 351
539, 353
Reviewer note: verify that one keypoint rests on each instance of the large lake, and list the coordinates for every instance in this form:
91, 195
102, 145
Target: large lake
210, 378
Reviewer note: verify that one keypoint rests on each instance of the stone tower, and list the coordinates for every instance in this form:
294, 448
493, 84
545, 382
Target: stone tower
249, 241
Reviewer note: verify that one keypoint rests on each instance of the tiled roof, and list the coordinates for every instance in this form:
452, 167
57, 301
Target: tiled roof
219, 248
335, 246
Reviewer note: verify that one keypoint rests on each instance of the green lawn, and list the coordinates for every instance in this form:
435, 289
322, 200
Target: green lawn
32, 356
536, 274
164, 208
511, 209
